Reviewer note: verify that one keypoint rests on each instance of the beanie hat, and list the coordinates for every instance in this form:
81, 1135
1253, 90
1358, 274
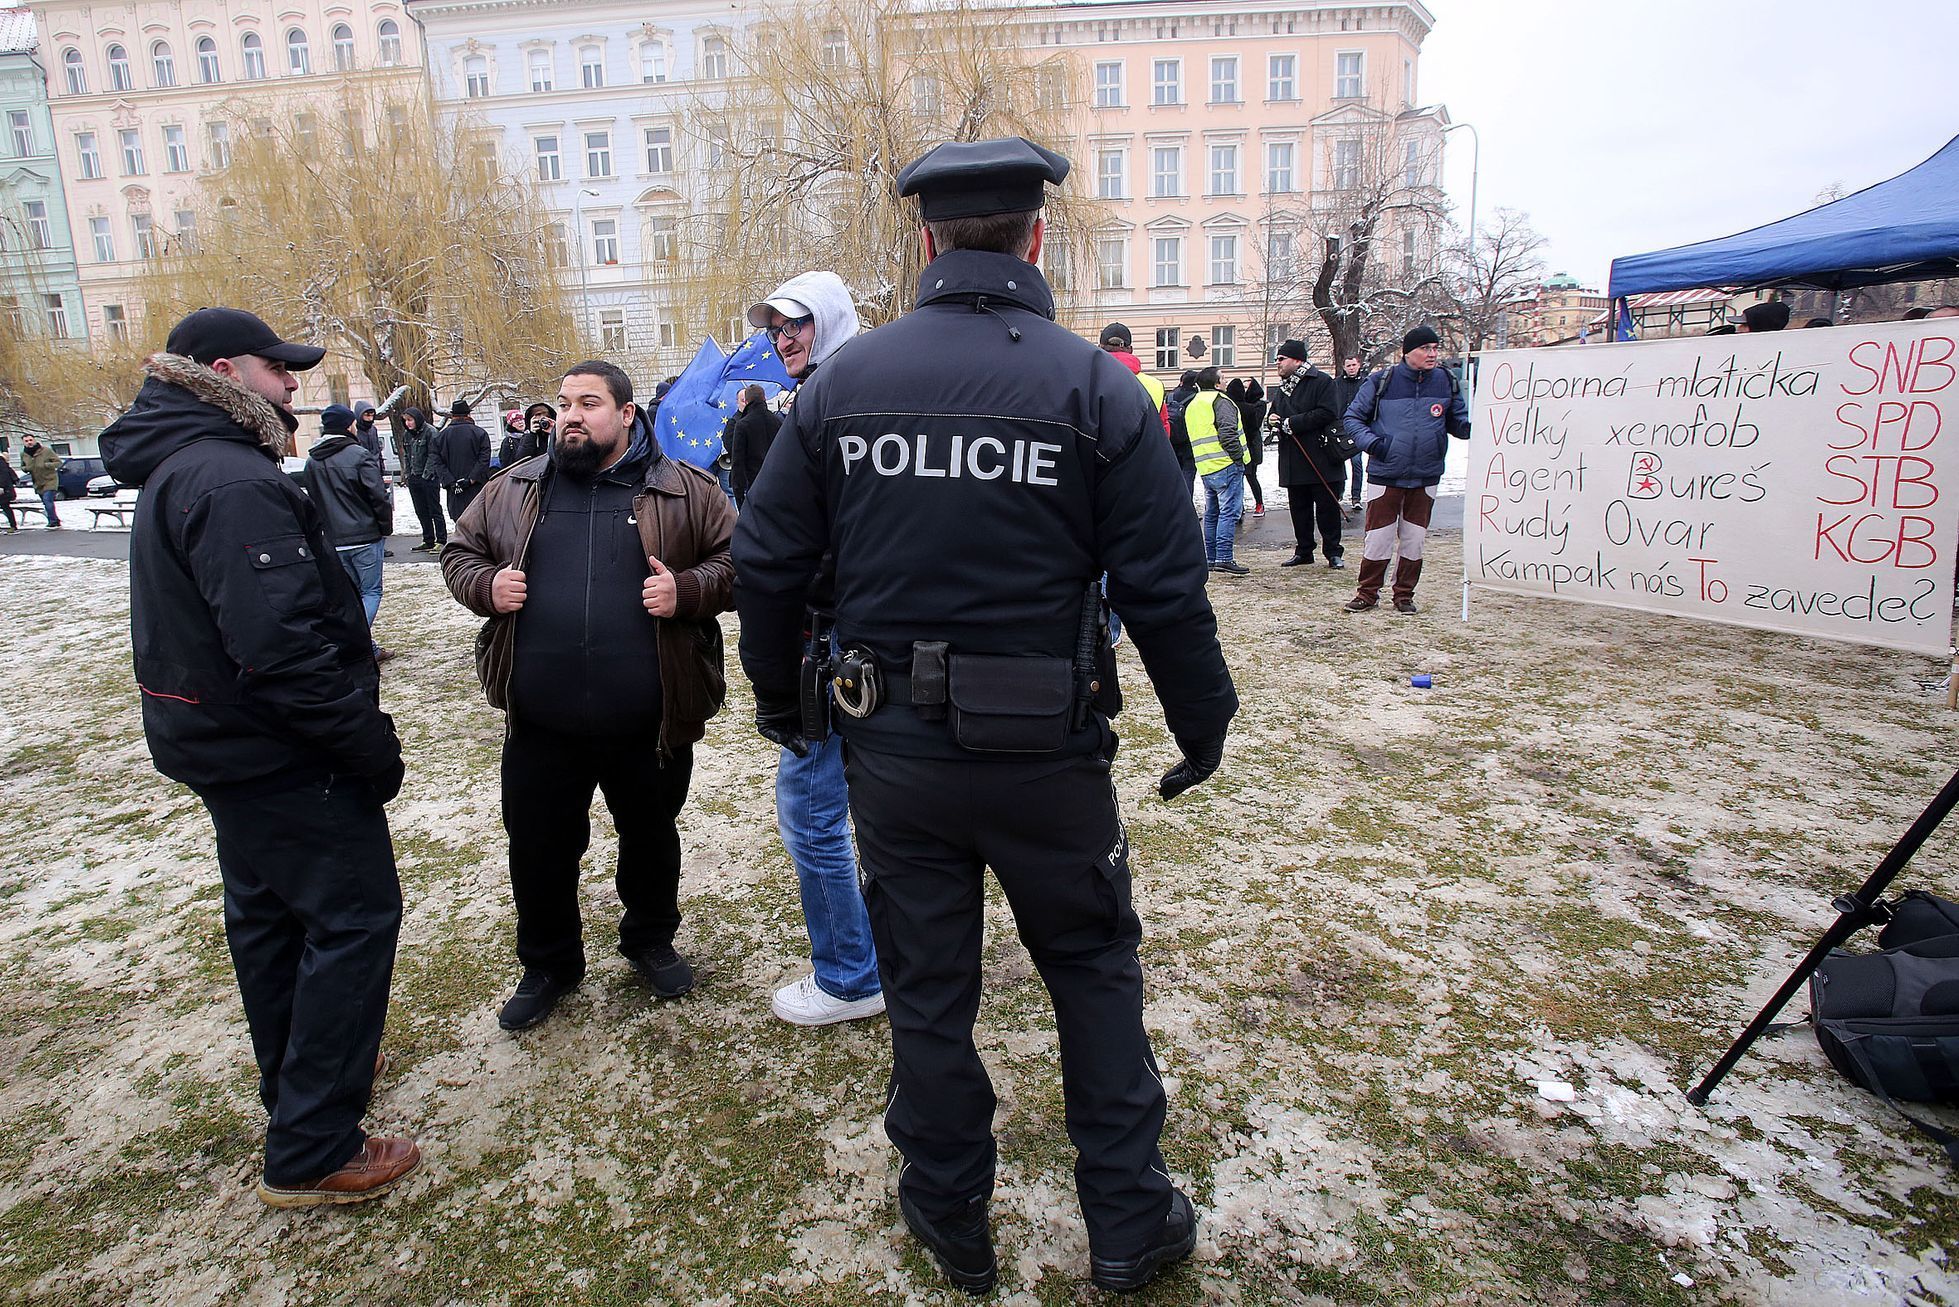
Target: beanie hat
336, 418
1420, 336
1115, 334
1293, 349
459, 409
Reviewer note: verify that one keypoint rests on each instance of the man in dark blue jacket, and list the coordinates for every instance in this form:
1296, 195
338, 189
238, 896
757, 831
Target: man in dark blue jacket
1402, 420
260, 693
344, 479
975, 469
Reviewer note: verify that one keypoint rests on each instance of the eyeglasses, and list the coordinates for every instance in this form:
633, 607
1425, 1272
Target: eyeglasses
790, 327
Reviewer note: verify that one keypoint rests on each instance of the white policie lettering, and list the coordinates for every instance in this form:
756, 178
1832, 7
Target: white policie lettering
983, 458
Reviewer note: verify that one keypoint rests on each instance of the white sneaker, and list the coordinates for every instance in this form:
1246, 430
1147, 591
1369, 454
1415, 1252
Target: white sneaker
805, 1004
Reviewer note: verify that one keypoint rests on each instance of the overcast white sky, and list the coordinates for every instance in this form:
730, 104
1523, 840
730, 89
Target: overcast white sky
1632, 125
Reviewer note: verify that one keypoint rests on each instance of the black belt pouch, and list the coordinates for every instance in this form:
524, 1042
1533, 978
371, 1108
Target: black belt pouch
1002, 704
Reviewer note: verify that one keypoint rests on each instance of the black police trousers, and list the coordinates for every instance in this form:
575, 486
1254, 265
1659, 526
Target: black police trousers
927, 830
548, 780
312, 907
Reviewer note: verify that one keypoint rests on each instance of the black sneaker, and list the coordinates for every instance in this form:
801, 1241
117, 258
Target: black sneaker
1172, 1244
665, 972
1405, 606
962, 1245
536, 995
1234, 568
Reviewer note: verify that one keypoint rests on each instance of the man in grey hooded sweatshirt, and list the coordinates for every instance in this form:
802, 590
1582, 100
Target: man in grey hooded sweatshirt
809, 317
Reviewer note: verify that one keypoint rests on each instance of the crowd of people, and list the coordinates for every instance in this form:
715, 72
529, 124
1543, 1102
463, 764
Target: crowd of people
928, 600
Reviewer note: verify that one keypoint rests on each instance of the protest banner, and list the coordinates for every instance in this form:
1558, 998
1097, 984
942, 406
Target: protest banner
1797, 481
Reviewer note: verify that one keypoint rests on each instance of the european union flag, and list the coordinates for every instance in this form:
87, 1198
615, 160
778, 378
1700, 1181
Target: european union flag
1625, 325
697, 408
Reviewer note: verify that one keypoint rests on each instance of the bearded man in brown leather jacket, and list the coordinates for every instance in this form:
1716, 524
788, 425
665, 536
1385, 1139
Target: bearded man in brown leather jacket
600, 570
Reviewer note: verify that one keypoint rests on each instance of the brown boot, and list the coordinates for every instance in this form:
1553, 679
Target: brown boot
377, 1168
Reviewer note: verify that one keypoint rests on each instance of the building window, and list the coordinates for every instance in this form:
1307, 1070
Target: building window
1346, 75
207, 60
132, 151
1167, 261
1411, 176
591, 66
659, 239
119, 78
72, 69
1166, 349
163, 67
612, 330
1108, 85
389, 35
306, 131
1224, 170
1111, 262
1224, 79
11, 315
22, 130
476, 77
659, 150
1224, 261
1407, 83
114, 322
39, 235
145, 232
605, 240
1224, 347
1166, 170
176, 153
714, 57
57, 317
833, 48
717, 146
1346, 165
254, 51
557, 252
540, 64
1281, 77
1279, 170
186, 220
653, 62
926, 96
220, 142
549, 168
105, 244
665, 332
1167, 81
91, 157
1278, 254
598, 154
343, 48
1109, 170
299, 60
1408, 253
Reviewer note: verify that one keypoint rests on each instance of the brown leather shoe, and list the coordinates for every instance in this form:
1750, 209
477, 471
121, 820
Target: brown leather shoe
380, 1063
377, 1168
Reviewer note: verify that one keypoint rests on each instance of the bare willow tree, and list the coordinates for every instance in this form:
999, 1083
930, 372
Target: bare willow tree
1489, 280
801, 149
379, 228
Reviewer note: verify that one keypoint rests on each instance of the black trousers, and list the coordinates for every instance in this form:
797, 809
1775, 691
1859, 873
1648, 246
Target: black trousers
548, 780
312, 907
927, 830
1251, 484
461, 496
7, 507
426, 496
1308, 504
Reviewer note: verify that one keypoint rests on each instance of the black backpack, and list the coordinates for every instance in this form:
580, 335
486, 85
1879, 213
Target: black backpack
1889, 1021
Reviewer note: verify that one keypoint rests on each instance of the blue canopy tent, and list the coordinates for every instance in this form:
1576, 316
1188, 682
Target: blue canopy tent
1904, 229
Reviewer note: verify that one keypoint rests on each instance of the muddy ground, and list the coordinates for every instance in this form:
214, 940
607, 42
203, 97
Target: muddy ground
1584, 857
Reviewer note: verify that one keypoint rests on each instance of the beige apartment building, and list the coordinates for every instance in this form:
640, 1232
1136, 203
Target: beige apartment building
145, 99
1219, 138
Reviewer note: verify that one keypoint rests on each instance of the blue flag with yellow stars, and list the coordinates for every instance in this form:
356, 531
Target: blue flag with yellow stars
697, 407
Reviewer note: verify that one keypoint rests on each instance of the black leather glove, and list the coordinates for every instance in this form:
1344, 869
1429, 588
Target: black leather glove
384, 785
779, 717
1201, 758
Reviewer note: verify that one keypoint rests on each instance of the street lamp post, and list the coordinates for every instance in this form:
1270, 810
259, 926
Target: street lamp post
1475, 168
578, 221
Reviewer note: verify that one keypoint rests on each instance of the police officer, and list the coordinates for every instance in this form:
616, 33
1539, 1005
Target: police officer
975, 468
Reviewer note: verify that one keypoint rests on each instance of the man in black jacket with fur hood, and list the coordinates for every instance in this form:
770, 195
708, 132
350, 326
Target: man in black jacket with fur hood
260, 693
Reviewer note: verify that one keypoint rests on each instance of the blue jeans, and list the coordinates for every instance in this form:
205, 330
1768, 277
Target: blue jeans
1224, 504
812, 809
47, 503
362, 563
727, 479
1357, 481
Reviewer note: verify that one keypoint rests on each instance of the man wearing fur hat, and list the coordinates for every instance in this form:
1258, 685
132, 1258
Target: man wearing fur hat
260, 693
1402, 419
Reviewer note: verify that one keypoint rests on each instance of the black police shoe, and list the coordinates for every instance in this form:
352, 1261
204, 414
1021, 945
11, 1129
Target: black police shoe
1297, 560
1172, 1244
665, 972
962, 1244
536, 995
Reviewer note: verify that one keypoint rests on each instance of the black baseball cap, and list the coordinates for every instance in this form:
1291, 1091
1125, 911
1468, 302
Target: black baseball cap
212, 334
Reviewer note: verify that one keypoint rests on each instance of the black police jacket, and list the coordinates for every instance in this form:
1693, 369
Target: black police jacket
252, 652
974, 467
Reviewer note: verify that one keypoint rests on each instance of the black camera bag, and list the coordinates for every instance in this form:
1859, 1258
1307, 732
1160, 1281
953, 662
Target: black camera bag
1917, 916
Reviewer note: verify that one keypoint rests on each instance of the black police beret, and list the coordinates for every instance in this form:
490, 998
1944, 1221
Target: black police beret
969, 179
